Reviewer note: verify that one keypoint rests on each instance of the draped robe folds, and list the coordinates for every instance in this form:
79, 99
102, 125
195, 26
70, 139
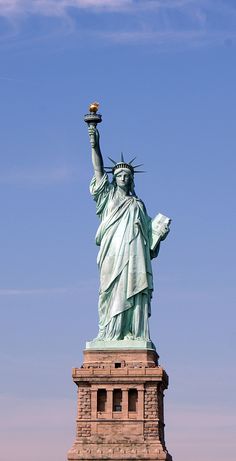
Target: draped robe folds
124, 264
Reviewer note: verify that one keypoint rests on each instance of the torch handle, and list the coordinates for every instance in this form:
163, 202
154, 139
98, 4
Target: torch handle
93, 135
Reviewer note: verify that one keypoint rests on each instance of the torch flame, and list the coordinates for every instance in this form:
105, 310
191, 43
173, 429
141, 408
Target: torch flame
93, 108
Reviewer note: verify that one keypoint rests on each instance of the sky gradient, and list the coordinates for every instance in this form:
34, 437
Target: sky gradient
164, 73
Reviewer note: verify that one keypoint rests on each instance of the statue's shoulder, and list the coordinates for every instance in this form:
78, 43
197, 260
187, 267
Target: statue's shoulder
101, 187
140, 203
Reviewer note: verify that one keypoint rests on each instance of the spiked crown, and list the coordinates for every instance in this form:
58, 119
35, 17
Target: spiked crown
123, 164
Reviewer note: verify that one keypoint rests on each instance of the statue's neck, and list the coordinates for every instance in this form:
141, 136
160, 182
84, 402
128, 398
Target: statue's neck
121, 193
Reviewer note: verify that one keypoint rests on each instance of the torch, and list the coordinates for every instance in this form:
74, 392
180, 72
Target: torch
92, 119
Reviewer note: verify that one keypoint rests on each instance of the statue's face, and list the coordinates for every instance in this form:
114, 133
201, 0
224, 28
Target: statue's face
123, 178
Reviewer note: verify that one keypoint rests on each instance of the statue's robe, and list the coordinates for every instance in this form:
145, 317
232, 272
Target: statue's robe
124, 262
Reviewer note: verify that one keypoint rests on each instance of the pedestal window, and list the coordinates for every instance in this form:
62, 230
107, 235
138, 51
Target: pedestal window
117, 400
101, 400
132, 400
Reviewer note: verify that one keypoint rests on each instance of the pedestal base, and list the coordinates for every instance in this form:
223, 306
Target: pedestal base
118, 452
128, 344
120, 406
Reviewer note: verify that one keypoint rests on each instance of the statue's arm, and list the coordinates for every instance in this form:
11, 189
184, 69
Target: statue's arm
97, 159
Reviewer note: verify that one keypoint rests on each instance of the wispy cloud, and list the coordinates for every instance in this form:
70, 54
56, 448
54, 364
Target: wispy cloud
195, 8
190, 22
37, 176
58, 7
32, 291
81, 288
55, 7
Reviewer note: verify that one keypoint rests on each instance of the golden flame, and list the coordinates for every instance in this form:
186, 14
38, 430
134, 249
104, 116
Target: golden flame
93, 108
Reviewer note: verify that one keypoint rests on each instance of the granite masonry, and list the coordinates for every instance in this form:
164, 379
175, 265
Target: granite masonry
120, 407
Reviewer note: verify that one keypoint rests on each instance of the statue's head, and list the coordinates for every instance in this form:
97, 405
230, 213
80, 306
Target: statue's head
123, 174
124, 178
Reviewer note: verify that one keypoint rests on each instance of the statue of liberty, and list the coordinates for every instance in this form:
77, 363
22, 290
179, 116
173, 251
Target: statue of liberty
128, 240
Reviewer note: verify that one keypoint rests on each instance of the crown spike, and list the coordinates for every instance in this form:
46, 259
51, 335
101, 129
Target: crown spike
113, 161
122, 157
136, 166
131, 161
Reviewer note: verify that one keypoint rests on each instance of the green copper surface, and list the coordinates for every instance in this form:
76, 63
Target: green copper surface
120, 344
128, 240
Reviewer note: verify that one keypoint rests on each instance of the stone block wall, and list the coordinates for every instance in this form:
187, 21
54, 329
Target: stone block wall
150, 411
84, 411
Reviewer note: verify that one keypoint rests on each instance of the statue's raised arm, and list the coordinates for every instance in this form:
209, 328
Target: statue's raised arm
97, 159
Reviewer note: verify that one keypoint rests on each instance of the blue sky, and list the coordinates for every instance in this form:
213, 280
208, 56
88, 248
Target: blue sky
164, 73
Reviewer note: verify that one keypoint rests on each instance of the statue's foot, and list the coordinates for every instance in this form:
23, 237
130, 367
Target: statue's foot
129, 336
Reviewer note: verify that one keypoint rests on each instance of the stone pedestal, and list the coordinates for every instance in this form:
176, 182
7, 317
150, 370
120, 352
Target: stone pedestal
120, 406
